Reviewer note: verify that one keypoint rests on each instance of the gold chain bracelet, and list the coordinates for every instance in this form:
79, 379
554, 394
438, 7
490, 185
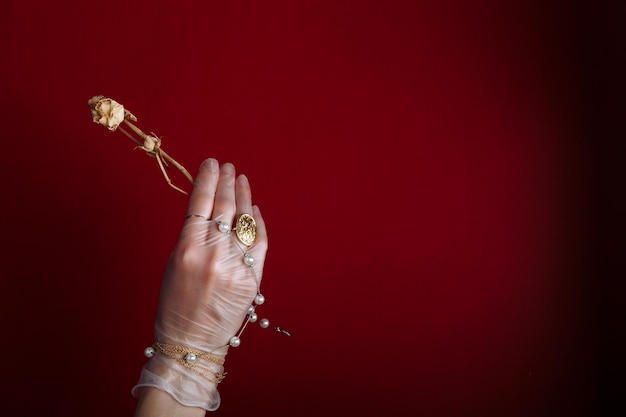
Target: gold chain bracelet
188, 357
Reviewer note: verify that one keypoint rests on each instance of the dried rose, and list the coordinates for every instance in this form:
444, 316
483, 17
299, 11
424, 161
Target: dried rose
106, 112
111, 114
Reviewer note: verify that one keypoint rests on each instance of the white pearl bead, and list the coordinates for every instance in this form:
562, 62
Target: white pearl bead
250, 309
224, 227
149, 352
248, 259
259, 299
253, 317
264, 323
191, 358
235, 341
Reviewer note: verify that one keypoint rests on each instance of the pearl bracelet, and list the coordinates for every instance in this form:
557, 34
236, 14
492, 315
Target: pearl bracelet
188, 357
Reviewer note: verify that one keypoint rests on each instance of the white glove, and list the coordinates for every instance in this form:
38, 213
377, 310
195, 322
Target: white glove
208, 288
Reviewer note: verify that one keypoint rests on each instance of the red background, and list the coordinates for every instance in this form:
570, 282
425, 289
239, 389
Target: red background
436, 179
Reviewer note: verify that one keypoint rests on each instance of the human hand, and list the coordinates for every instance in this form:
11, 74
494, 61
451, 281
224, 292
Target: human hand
208, 287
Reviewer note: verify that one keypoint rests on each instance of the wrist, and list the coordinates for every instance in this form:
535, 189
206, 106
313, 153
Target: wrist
188, 375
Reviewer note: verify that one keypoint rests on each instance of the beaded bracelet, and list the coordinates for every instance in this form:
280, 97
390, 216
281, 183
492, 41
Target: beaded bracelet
188, 357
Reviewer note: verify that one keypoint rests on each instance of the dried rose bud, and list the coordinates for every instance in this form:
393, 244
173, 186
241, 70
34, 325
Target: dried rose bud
106, 112
151, 143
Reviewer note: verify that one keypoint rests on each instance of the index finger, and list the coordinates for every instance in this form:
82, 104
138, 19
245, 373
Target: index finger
204, 185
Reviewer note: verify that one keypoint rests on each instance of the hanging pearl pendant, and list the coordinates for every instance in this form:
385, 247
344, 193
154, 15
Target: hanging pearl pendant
264, 323
248, 259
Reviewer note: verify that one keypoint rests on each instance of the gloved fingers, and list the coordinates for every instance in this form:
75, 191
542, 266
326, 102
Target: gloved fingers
224, 204
243, 196
202, 196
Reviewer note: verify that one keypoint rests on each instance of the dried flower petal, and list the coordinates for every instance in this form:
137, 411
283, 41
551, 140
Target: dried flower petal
106, 112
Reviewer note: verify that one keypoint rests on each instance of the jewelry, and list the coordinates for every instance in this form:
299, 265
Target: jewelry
246, 234
188, 357
189, 216
189, 354
246, 229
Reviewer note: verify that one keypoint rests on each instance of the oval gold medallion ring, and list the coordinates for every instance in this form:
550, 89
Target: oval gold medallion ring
246, 229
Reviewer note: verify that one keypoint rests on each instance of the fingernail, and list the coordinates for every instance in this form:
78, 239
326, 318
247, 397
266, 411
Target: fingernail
228, 168
243, 179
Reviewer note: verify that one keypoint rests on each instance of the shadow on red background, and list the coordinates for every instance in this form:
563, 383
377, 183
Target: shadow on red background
440, 183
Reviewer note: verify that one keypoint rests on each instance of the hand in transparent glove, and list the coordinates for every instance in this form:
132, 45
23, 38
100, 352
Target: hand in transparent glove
207, 288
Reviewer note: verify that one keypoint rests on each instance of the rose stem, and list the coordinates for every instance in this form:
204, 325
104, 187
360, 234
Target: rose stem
129, 135
162, 152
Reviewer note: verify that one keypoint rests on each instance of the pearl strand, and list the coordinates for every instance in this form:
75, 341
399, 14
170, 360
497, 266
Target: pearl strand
259, 299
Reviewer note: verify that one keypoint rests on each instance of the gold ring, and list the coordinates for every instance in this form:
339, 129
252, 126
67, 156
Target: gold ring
190, 216
246, 229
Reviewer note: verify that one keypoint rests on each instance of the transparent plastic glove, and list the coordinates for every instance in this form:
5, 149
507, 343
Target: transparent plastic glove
207, 288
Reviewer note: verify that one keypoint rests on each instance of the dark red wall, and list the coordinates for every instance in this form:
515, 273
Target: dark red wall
436, 179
